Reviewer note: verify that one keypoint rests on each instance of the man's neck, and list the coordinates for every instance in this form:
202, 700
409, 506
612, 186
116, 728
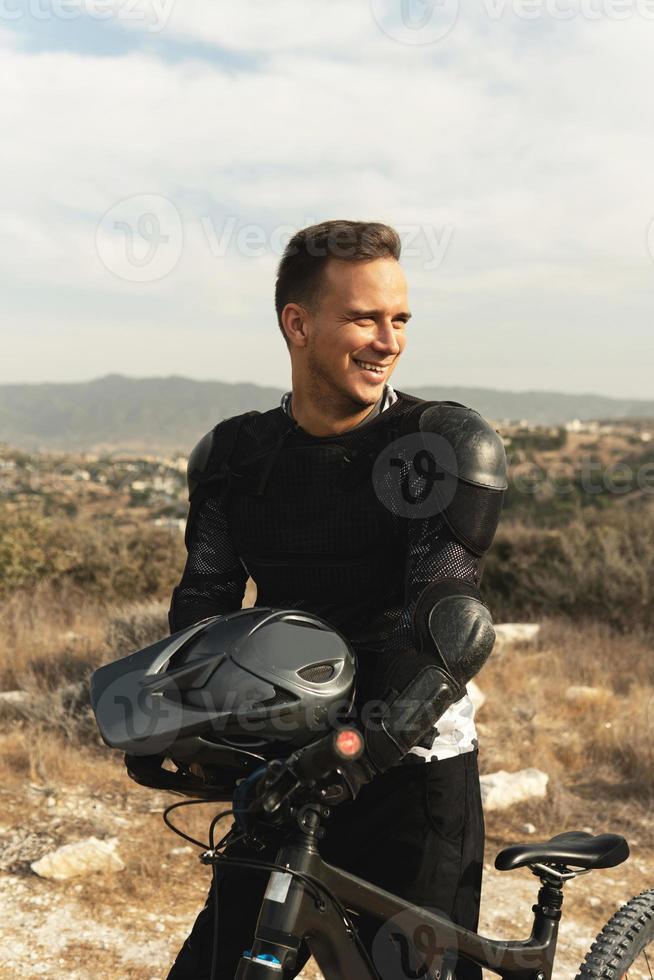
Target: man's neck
314, 422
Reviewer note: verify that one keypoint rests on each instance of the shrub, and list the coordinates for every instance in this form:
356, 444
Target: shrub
598, 568
136, 626
107, 561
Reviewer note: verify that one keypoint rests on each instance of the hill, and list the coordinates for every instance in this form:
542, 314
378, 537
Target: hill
169, 414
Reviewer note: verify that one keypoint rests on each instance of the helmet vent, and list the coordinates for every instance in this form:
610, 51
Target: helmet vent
317, 673
279, 697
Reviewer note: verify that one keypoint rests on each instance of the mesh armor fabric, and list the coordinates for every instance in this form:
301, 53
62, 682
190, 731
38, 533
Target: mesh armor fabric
214, 579
306, 520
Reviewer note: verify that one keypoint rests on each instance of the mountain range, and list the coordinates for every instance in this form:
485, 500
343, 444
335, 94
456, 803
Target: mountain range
157, 415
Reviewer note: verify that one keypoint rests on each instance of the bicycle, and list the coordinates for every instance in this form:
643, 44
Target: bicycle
308, 900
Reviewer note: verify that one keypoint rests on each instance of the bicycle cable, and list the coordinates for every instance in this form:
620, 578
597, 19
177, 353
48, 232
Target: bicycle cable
181, 833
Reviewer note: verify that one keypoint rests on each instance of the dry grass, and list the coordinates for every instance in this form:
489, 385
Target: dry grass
50, 625
597, 749
54, 638
50, 643
61, 784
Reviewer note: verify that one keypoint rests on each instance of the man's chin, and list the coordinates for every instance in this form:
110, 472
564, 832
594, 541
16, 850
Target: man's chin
362, 396
366, 394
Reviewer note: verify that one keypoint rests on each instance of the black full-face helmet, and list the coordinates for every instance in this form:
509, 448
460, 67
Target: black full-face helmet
223, 696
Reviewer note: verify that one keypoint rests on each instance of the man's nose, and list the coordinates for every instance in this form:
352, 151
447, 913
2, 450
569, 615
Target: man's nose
386, 338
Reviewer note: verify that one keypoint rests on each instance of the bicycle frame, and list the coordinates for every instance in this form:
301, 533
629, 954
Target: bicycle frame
290, 914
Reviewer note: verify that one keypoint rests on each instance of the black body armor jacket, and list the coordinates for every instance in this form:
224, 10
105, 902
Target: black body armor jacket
306, 520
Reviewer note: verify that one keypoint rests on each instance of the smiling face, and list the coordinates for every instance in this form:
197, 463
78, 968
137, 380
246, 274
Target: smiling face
346, 348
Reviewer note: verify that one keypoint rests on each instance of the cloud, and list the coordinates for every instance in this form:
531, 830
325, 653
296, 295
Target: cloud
523, 144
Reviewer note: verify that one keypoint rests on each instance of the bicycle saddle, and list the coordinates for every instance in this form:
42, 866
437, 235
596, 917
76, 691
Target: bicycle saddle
576, 848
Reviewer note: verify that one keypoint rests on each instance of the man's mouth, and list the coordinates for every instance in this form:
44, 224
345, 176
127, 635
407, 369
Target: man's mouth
372, 370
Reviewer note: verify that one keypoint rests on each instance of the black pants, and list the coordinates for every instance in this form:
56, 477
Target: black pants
416, 831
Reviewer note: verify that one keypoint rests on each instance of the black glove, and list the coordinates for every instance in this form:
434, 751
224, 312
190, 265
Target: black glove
416, 692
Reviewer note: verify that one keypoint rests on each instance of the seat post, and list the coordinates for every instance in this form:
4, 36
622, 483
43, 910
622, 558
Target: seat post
550, 900
547, 915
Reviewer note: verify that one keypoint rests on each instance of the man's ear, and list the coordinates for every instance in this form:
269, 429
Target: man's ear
294, 321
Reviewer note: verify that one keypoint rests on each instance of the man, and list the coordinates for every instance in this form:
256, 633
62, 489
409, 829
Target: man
332, 506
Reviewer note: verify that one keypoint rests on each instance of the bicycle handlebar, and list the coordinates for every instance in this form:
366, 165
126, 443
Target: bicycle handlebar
306, 767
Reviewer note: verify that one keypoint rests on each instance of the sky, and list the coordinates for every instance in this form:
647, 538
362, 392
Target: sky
158, 154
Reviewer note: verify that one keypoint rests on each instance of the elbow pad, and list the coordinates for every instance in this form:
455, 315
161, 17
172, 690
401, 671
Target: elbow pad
454, 638
454, 628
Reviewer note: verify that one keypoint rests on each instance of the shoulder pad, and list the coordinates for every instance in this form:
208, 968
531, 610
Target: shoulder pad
198, 459
213, 449
479, 450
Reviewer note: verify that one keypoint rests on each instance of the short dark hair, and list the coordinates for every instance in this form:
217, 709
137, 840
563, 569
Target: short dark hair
303, 263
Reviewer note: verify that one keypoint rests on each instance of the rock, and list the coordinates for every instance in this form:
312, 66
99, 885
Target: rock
502, 789
15, 697
15, 702
475, 694
80, 858
528, 828
580, 694
508, 633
